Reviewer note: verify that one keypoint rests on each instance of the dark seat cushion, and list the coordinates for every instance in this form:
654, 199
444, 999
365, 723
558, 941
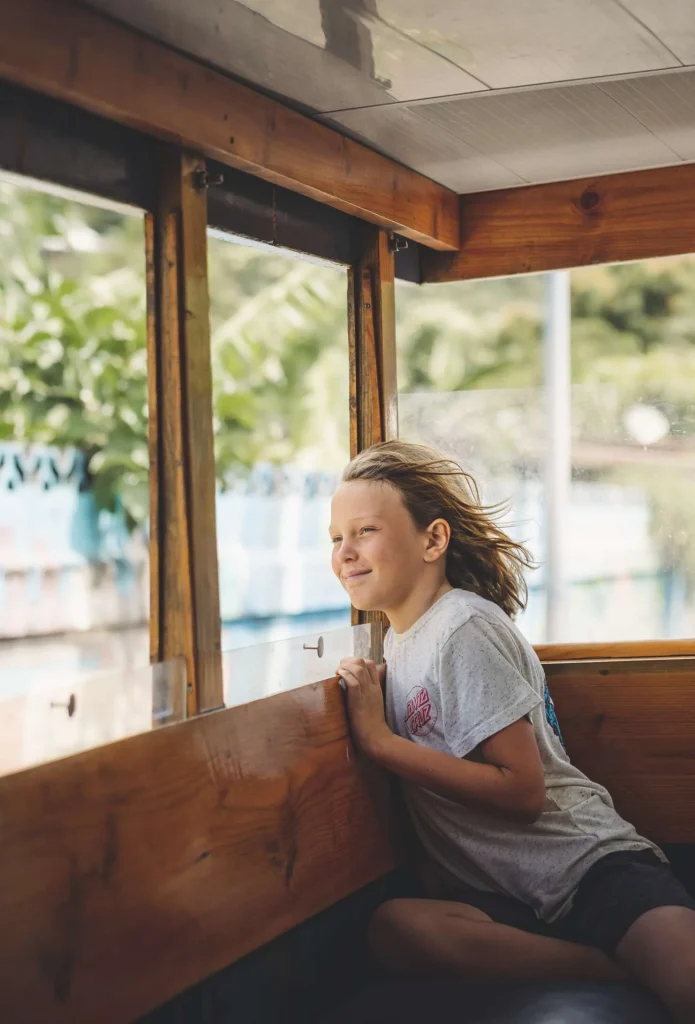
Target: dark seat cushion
456, 1003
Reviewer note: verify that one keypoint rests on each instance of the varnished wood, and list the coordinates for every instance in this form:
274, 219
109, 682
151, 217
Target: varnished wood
372, 343
132, 871
198, 414
188, 587
67, 51
630, 725
620, 649
371, 323
173, 589
632, 216
153, 440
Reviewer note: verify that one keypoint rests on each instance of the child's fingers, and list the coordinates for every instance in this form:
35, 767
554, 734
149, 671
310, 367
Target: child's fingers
360, 667
357, 662
350, 679
373, 673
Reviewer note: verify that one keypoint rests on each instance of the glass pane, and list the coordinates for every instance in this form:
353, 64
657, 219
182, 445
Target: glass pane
470, 375
280, 382
498, 436
251, 673
56, 719
73, 438
583, 423
630, 539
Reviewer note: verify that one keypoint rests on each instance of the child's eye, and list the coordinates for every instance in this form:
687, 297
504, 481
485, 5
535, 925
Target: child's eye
367, 529
336, 540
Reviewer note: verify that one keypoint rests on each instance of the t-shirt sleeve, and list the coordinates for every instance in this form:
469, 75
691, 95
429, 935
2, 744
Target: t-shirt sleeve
481, 686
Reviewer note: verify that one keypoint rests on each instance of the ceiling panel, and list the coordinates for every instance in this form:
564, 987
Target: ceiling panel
332, 55
494, 141
665, 104
673, 21
355, 32
545, 134
316, 53
404, 135
510, 43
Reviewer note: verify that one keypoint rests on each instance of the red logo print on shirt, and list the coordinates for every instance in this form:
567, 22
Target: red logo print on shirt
420, 712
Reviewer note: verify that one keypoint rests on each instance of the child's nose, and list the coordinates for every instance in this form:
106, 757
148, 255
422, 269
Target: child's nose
347, 551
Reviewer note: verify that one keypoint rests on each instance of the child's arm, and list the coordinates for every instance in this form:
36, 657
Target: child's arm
509, 781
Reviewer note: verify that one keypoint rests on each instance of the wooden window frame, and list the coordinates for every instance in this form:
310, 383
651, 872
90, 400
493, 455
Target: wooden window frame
182, 196
40, 139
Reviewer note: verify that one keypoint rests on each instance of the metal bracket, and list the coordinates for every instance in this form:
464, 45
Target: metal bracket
396, 243
202, 179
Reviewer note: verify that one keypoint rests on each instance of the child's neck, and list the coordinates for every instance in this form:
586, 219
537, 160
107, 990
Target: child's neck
416, 604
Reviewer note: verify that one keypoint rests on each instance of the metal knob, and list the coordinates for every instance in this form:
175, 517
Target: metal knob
318, 648
70, 706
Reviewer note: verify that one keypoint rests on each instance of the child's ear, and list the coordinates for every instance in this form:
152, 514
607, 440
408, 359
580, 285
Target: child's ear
439, 535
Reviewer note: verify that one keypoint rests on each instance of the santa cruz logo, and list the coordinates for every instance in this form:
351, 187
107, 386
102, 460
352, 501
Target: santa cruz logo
420, 712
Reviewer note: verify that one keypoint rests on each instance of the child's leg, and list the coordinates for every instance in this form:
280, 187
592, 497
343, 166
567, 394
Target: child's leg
659, 949
459, 940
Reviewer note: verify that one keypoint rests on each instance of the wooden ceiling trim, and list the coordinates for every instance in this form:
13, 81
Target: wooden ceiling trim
61, 49
609, 219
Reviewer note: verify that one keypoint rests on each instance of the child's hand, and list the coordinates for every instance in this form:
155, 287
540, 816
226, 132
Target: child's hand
365, 700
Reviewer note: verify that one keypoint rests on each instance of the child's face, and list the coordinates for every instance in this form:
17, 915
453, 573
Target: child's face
378, 552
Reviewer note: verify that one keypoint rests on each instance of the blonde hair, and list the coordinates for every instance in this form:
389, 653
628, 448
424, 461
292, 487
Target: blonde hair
480, 557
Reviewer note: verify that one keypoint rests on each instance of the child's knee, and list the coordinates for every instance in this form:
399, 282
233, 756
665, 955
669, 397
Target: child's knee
397, 926
392, 920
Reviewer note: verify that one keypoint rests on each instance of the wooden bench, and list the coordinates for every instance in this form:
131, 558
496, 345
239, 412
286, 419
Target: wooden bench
133, 871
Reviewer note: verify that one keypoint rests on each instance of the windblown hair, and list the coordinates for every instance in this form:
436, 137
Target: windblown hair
480, 557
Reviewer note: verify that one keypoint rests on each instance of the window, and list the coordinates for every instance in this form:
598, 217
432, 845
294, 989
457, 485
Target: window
280, 392
582, 423
73, 468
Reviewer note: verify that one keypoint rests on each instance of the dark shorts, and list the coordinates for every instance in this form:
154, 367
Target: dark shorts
613, 894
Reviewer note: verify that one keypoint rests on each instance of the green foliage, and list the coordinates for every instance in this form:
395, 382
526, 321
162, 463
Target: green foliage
73, 365
469, 336
280, 359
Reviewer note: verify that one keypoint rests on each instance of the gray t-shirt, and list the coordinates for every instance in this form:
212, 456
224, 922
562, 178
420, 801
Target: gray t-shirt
459, 675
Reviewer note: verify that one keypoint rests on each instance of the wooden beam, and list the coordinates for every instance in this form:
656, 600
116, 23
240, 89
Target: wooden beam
135, 870
633, 216
621, 649
630, 726
185, 617
372, 338
65, 50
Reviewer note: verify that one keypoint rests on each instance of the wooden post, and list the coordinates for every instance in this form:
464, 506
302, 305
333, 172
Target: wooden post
185, 608
372, 332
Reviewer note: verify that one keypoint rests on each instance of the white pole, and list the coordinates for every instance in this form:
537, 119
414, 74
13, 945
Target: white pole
558, 467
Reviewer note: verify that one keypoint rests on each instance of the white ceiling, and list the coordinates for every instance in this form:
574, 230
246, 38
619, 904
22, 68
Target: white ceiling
476, 94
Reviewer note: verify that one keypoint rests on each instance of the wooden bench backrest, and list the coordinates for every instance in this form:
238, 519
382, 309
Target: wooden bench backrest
132, 871
631, 726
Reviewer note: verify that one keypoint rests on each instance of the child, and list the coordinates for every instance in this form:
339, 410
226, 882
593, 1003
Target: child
544, 879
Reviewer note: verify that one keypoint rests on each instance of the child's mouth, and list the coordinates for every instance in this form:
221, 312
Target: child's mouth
355, 577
